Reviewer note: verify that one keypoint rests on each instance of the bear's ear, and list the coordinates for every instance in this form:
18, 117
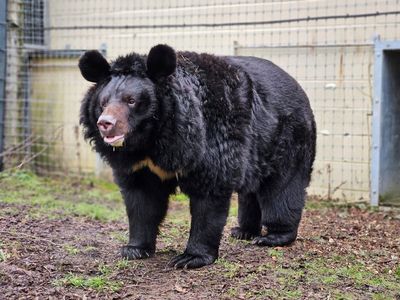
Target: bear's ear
161, 62
93, 66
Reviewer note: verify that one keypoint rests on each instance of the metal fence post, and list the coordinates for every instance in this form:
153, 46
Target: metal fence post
3, 56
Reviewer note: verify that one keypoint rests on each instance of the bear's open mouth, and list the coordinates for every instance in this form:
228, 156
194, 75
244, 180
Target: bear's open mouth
114, 140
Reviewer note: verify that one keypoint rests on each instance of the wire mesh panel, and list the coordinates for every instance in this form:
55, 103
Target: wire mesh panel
326, 45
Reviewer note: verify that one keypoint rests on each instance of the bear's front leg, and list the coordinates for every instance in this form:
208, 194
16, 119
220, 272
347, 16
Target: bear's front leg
146, 200
208, 220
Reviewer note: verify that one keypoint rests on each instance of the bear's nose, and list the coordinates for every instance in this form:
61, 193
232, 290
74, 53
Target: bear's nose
106, 123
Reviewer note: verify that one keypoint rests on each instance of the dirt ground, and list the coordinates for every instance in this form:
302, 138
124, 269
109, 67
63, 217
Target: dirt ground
60, 239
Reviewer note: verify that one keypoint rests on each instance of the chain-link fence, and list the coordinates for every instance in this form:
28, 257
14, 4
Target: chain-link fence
328, 46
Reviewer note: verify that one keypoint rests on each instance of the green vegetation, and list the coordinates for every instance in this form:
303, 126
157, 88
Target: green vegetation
102, 281
322, 204
277, 294
233, 210
230, 269
121, 237
327, 272
54, 198
232, 292
179, 197
71, 250
3, 255
122, 264
331, 270
275, 253
92, 282
397, 272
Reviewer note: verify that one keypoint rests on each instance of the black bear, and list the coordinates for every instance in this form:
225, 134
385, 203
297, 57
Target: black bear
212, 125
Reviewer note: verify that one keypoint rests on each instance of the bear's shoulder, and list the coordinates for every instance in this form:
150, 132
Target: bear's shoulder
210, 67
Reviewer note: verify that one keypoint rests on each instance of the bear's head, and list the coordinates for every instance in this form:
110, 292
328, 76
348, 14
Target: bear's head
121, 108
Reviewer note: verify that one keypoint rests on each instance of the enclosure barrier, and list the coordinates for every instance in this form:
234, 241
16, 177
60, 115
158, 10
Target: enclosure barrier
328, 46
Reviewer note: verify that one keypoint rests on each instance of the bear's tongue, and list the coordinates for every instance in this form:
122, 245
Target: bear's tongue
112, 139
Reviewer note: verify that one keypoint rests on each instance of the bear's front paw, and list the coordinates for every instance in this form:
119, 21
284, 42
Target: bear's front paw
131, 252
240, 234
191, 261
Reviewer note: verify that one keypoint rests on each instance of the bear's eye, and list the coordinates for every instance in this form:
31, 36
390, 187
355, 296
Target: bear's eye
131, 102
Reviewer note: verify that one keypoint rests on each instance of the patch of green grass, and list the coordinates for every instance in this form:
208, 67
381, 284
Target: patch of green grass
381, 296
53, 198
231, 269
234, 208
122, 264
104, 270
9, 211
111, 196
74, 280
397, 272
100, 184
71, 250
291, 294
360, 275
340, 295
289, 276
99, 283
51, 208
318, 204
264, 268
330, 279
122, 237
179, 197
89, 249
102, 281
275, 253
175, 227
314, 203
3, 255
23, 178
251, 277
284, 293
232, 292
172, 233
233, 211
178, 218
92, 282
96, 211
333, 270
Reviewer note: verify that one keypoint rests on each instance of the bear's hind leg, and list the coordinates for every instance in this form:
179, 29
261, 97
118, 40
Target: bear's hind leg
249, 218
281, 209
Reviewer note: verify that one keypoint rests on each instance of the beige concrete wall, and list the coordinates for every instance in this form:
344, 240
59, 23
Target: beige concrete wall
57, 89
338, 79
215, 39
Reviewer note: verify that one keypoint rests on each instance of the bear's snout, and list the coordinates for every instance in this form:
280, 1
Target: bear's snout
106, 124
113, 125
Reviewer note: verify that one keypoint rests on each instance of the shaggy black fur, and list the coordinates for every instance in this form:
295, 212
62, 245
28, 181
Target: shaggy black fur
219, 124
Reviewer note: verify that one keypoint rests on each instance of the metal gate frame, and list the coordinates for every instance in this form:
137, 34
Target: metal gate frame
377, 118
3, 69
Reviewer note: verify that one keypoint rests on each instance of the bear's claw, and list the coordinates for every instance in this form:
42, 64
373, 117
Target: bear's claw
132, 252
275, 239
189, 261
241, 234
